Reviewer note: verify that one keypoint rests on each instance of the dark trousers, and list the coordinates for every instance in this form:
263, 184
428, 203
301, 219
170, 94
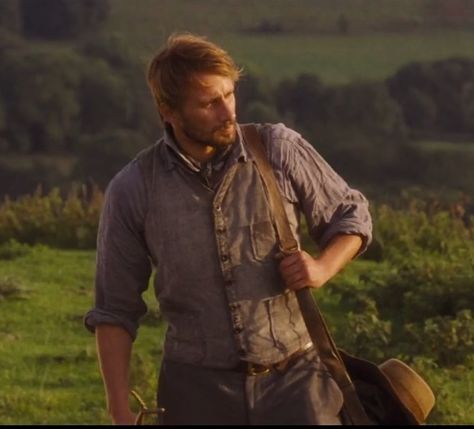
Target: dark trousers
304, 393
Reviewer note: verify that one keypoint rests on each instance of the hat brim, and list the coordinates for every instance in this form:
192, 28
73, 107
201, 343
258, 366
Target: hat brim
377, 392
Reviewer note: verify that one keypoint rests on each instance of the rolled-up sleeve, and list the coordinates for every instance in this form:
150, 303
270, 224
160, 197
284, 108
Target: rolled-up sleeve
123, 266
330, 206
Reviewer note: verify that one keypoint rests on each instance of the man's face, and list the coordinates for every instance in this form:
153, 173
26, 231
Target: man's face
207, 114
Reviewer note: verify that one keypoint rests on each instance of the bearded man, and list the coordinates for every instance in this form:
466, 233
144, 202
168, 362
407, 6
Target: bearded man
194, 207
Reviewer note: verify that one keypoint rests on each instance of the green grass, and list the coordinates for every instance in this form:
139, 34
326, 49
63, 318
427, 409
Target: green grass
372, 51
213, 17
48, 366
339, 59
434, 146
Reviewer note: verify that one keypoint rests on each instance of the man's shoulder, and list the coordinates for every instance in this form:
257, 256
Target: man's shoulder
279, 133
149, 153
133, 174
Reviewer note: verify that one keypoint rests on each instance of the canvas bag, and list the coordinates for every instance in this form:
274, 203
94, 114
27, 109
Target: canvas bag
390, 393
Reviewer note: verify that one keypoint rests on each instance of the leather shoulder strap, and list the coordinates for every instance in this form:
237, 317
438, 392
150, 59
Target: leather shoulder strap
252, 139
312, 316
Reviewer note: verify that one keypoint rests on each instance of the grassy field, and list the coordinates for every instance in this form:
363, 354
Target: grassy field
309, 41
48, 366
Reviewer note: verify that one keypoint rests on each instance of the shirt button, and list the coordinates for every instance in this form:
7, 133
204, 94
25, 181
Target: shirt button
224, 258
221, 230
237, 330
218, 208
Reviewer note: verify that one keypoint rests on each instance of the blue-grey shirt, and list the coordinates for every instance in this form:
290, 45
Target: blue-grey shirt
208, 231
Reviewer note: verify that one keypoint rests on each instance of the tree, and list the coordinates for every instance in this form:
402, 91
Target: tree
39, 90
302, 98
254, 90
436, 96
258, 111
103, 98
10, 16
102, 155
58, 19
3, 125
140, 112
367, 106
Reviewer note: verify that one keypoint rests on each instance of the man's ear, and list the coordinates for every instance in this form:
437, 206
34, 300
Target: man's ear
167, 113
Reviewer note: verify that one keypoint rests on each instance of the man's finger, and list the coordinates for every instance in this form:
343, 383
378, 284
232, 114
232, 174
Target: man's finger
291, 259
290, 269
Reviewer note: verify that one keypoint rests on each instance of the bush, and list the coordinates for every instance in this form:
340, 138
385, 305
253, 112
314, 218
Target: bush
447, 340
365, 334
422, 229
12, 249
69, 222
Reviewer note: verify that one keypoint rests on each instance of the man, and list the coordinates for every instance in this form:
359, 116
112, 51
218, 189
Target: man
193, 205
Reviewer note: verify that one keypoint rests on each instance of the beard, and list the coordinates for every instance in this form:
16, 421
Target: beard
218, 137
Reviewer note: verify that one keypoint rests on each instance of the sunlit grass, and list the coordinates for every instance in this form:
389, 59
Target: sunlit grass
48, 366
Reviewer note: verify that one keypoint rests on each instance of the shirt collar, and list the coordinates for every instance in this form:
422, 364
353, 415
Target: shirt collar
173, 155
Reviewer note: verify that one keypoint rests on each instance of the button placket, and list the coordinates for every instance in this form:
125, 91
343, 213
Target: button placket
225, 260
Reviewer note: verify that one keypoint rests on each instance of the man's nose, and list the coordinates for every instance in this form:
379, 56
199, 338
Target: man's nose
226, 111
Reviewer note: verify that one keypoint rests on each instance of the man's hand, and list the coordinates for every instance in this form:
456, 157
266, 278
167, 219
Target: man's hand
300, 269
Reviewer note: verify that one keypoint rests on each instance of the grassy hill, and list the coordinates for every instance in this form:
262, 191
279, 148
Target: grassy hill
281, 38
48, 366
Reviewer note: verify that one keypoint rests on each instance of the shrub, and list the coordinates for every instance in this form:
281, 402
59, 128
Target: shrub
422, 229
447, 340
69, 222
13, 249
365, 334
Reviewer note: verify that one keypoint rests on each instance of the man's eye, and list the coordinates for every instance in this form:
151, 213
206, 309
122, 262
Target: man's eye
207, 105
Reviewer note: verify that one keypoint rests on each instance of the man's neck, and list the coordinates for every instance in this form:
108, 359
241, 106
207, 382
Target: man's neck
198, 152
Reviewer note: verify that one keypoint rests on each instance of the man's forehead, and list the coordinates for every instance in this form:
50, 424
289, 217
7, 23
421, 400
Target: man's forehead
207, 82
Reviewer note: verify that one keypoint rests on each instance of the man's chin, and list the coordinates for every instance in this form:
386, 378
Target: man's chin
225, 137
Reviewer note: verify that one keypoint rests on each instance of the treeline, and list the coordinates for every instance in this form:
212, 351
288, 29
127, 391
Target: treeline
367, 129
88, 99
52, 19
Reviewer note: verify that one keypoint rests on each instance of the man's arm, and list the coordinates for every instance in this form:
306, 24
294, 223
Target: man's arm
300, 269
114, 347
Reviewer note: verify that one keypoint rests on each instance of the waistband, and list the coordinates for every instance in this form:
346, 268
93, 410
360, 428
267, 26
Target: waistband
251, 368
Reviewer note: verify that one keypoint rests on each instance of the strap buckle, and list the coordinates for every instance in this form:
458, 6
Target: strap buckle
255, 369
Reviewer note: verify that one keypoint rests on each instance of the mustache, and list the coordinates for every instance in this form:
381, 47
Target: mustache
226, 124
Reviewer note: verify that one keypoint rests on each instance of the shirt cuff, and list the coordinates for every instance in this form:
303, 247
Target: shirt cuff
98, 316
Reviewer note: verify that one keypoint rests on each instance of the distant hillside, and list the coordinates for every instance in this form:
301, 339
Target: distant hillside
340, 40
309, 16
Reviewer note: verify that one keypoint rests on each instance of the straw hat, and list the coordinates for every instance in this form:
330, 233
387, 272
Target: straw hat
410, 388
392, 392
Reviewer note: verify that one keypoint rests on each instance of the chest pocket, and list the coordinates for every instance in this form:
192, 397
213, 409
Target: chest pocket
263, 240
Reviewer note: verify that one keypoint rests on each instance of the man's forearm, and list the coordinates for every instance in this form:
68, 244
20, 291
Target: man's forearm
339, 251
114, 347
